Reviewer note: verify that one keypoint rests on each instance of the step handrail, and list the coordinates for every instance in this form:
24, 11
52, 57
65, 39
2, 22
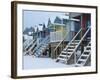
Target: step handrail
82, 53
32, 46
73, 38
76, 35
69, 42
34, 40
25, 43
43, 42
80, 41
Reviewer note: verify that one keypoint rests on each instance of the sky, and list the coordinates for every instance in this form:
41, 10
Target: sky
32, 18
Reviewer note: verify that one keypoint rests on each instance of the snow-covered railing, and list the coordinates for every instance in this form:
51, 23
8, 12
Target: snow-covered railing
30, 43
27, 42
80, 42
73, 38
83, 53
61, 43
45, 41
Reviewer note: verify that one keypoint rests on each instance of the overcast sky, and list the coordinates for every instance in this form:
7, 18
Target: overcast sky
32, 18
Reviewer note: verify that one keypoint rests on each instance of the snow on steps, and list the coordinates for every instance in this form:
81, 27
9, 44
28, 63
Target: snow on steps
83, 60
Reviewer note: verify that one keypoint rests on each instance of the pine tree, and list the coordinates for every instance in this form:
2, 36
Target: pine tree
57, 20
49, 22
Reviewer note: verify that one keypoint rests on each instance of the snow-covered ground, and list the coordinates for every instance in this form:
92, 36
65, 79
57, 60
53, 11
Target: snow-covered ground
30, 62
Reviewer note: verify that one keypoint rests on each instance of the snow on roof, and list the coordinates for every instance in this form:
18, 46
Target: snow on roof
67, 18
59, 24
40, 27
63, 17
73, 19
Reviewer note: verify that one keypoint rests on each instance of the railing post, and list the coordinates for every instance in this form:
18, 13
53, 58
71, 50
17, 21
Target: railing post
75, 57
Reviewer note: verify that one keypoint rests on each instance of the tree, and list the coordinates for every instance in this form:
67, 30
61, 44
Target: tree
49, 22
58, 20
